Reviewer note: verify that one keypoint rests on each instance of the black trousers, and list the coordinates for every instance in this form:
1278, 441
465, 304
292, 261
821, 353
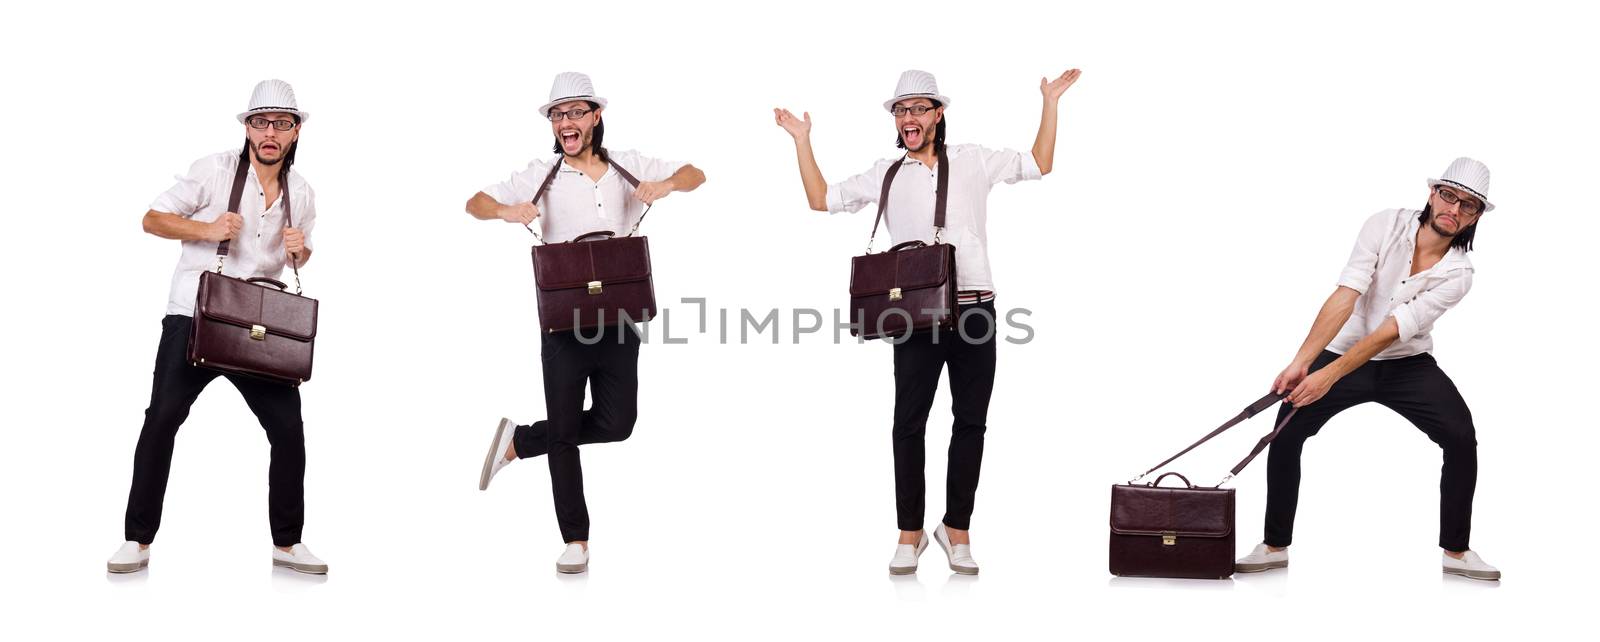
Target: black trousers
1416, 388
609, 367
918, 362
176, 385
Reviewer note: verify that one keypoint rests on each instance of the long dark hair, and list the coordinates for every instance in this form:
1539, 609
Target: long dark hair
938, 133
596, 141
1462, 239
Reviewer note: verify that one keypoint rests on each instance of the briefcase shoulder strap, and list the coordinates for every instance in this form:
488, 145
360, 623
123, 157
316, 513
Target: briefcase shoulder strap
556, 168
940, 196
236, 194
1250, 411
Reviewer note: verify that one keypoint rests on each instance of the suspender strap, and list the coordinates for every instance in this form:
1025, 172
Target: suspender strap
941, 196
236, 194
556, 169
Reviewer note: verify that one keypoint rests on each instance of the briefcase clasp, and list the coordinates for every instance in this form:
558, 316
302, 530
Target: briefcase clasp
594, 287
894, 294
258, 332
1169, 539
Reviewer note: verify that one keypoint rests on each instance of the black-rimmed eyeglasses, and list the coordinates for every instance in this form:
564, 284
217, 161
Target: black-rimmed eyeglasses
1468, 206
258, 122
570, 114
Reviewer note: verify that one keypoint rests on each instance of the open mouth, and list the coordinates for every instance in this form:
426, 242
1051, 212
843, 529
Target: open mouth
267, 147
912, 135
570, 139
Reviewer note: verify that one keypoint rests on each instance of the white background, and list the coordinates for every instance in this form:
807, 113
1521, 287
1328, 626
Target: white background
1214, 165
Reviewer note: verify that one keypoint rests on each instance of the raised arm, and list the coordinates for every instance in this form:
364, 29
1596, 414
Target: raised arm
810, 174
1044, 145
171, 226
686, 179
484, 208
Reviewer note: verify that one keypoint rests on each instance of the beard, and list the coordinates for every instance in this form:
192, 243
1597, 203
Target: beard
256, 153
1433, 223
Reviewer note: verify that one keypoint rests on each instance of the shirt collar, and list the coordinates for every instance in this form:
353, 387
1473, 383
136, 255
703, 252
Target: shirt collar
1454, 258
565, 168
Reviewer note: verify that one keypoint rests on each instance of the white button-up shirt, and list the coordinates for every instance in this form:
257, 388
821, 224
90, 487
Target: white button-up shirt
575, 205
909, 216
202, 195
1380, 269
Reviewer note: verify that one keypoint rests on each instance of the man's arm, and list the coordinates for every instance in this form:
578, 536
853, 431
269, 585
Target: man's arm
484, 208
1044, 145
810, 174
294, 244
171, 226
686, 179
1335, 312
1314, 386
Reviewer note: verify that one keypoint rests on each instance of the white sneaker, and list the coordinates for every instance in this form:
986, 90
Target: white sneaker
497, 452
1470, 565
1262, 559
300, 559
960, 555
905, 556
573, 560
128, 559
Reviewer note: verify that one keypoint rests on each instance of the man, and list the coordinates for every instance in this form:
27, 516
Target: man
1371, 342
194, 211
919, 119
588, 193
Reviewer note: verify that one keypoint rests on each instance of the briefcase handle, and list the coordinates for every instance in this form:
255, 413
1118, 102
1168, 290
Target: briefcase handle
551, 177
908, 245
233, 206
1250, 411
1186, 481
939, 198
272, 282
601, 234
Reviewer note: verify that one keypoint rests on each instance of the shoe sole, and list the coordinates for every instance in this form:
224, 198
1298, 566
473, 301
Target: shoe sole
945, 546
572, 569
309, 569
1257, 568
1487, 576
494, 450
126, 567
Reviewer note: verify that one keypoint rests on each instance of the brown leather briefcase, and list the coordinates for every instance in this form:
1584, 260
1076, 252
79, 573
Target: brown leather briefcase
596, 279
910, 288
1182, 532
244, 326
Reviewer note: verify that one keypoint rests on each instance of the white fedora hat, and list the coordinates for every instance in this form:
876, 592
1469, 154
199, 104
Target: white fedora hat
273, 96
1469, 175
916, 84
568, 86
